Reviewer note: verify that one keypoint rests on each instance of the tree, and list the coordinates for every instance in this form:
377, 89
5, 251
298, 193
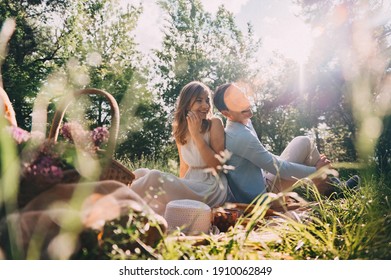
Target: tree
102, 31
101, 44
198, 46
349, 69
31, 48
276, 94
94, 46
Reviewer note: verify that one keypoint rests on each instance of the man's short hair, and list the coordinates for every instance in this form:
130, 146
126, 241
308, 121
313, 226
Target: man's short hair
218, 97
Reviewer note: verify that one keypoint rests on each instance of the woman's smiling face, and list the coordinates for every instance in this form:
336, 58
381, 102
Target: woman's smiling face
201, 105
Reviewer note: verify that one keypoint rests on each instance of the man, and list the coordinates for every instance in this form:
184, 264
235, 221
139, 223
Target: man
257, 170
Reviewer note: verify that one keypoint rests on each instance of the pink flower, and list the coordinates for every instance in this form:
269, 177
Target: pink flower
18, 134
100, 135
74, 132
46, 166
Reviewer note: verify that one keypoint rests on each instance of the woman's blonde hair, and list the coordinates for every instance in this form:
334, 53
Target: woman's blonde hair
186, 99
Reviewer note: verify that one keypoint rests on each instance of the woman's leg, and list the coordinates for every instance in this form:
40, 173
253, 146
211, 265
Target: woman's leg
158, 188
138, 173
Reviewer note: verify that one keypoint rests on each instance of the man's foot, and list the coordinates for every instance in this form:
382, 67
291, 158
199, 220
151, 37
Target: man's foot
339, 187
354, 182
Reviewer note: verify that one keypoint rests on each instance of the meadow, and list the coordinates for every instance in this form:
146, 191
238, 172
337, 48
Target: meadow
356, 225
335, 89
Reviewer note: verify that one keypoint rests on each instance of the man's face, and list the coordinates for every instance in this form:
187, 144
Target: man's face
239, 108
240, 117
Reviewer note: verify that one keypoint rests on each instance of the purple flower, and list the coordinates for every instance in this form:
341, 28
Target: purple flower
100, 135
74, 132
65, 131
18, 134
46, 166
49, 159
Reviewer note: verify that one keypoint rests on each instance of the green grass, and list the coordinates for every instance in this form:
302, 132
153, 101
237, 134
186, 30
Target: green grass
151, 162
356, 226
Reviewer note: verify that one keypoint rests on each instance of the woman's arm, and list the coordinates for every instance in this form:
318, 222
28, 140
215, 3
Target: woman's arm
217, 135
216, 139
183, 167
8, 110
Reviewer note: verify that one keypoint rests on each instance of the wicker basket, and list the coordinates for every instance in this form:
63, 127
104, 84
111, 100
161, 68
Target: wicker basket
33, 185
112, 169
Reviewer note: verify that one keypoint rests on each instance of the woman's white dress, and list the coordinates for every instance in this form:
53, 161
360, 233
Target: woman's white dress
158, 188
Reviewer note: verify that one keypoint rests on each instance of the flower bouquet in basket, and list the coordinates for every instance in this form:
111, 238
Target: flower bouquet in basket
69, 154
45, 163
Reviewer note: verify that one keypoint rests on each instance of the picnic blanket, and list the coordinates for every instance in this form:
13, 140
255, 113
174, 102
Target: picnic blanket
52, 221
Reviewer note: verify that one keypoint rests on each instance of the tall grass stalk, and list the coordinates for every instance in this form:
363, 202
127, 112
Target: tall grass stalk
9, 182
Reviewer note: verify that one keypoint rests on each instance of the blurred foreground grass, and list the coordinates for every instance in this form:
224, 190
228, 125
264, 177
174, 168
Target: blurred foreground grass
356, 226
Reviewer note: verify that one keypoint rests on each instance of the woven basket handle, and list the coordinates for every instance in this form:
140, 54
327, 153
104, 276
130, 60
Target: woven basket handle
67, 100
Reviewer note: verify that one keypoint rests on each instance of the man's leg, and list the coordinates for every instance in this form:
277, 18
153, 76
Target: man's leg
300, 150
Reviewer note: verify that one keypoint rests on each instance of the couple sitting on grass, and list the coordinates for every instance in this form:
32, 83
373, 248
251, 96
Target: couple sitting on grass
200, 136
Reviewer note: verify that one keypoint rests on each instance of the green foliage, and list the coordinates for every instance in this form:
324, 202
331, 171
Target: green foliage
277, 103
383, 149
198, 46
102, 41
348, 78
122, 238
31, 50
168, 162
151, 138
276, 127
339, 95
9, 167
93, 45
354, 227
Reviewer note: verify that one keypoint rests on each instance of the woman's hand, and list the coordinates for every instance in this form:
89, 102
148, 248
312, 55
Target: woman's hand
194, 124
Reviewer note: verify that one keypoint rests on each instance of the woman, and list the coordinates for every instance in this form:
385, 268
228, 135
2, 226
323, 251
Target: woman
7, 110
199, 137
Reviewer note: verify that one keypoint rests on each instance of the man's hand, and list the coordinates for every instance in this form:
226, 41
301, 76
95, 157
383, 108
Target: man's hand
322, 162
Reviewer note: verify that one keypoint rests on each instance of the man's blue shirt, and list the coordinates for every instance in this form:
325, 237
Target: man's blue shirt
250, 158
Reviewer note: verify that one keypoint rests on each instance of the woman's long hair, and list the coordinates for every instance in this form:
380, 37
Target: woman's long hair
187, 97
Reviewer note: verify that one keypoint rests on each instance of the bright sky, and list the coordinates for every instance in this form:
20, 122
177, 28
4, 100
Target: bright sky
273, 20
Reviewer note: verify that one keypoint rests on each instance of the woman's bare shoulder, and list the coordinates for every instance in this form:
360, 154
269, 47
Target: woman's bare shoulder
216, 125
216, 120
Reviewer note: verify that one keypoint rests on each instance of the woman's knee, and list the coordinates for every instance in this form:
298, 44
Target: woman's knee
154, 178
140, 172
